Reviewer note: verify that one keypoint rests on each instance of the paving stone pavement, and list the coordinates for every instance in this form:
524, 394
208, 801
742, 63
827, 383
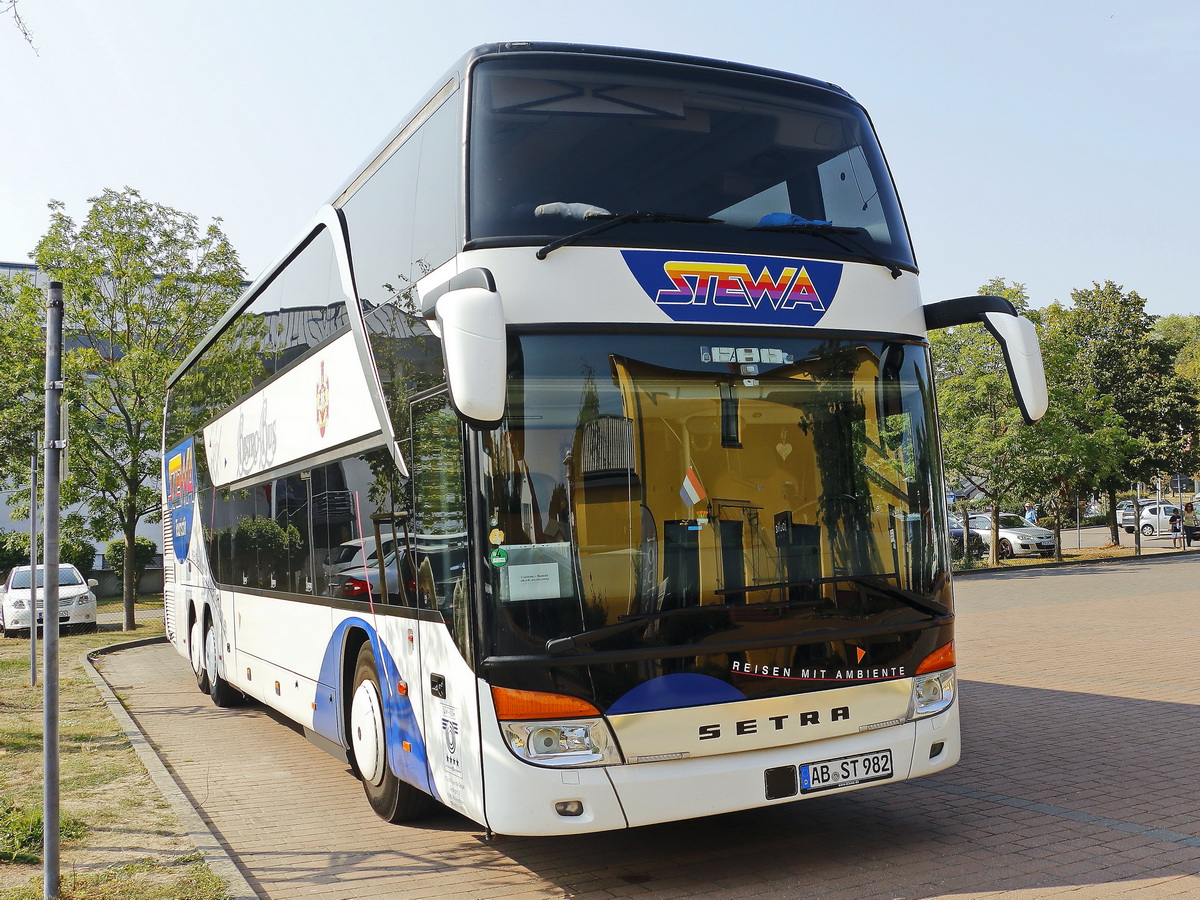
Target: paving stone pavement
1080, 778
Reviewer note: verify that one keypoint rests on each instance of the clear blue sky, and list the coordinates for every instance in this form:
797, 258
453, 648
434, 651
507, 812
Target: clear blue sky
1049, 143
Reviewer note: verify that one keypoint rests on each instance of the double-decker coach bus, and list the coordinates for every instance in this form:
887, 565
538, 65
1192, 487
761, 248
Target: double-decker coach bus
578, 467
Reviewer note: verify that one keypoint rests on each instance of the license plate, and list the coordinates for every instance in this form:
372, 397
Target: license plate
845, 771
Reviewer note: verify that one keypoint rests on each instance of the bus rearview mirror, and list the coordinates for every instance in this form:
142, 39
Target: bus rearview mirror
476, 352
1017, 338
1023, 357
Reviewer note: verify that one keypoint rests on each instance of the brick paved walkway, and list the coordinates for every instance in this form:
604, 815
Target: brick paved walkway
1080, 778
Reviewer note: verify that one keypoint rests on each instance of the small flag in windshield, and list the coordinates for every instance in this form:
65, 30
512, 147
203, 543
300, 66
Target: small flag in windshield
692, 491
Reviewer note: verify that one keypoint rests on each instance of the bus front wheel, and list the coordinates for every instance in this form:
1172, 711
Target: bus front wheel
392, 799
196, 652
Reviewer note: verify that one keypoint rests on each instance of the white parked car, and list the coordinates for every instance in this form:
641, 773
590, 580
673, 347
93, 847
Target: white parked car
1017, 537
76, 600
351, 555
1156, 518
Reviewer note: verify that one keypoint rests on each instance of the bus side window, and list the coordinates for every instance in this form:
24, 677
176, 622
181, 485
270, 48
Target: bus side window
438, 527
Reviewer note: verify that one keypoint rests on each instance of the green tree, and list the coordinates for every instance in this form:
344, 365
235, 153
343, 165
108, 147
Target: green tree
143, 554
142, 283
22, 373
981, 423
74, 549
1081, 440
1181, 334
1121, 357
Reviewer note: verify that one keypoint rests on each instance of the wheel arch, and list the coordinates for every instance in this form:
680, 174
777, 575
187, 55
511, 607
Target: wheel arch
355, 638
191, 618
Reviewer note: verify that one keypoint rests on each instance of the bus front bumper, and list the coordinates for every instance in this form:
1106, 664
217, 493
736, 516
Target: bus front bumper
529, 800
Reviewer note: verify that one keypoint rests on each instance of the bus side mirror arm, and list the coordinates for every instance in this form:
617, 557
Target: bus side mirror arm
1017, 338
475, 346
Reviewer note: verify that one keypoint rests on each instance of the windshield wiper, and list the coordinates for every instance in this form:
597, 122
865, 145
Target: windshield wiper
613, 221
628, 622
560, 646
910, 598
828, 230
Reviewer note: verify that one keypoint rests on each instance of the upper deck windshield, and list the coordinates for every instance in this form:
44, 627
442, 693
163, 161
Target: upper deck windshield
663, 491
557, 142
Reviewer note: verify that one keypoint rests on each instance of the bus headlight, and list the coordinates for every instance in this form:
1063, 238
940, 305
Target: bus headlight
933, 693
578, 743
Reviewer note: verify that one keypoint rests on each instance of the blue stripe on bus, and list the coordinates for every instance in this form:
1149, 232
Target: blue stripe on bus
675, 692
400, 720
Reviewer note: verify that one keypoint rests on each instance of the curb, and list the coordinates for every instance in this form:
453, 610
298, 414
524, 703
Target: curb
198, 830
1066, 563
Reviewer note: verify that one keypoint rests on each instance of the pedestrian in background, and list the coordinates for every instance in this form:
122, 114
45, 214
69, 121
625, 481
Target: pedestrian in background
1191, 524
1030, 514
1176, 521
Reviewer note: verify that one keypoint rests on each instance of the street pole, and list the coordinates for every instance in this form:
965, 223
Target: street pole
33, 561
1137, 520
50, 611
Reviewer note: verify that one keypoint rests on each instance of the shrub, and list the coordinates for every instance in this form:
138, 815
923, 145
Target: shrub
144, 551
258, 547
80, 554
14, 551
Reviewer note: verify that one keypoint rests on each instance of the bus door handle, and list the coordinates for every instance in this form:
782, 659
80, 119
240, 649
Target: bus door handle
437, 686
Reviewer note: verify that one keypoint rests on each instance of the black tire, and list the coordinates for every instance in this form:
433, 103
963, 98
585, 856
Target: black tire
392, 799
1148, 530
1005, 550
196, 655
219, 691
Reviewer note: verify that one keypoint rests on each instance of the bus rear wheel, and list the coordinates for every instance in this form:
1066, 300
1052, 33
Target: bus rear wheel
218, 688
392, 799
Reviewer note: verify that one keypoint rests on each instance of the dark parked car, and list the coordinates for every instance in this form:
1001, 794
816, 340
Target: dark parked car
976, 547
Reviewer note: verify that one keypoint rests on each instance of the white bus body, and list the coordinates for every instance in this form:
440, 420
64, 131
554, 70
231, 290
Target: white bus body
624, 355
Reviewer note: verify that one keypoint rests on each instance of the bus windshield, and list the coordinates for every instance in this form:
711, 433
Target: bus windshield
659, 490
559, 142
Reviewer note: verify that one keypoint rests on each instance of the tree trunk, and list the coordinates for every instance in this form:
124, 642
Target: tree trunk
994, 549
1114, 527
129, 578
1061, 510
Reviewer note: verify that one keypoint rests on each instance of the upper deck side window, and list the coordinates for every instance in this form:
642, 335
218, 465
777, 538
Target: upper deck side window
552, 137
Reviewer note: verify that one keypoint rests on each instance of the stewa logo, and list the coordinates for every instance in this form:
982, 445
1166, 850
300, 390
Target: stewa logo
181, 493
708, 287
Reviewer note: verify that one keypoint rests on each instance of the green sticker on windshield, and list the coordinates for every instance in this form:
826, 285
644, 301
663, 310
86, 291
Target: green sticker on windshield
498, 557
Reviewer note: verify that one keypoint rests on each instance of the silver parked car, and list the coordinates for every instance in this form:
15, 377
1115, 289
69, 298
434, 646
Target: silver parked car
1017, 537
